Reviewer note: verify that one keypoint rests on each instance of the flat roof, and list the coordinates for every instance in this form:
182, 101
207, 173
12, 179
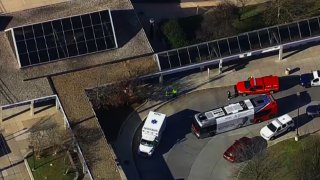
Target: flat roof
154, 121
131, 38
80, 73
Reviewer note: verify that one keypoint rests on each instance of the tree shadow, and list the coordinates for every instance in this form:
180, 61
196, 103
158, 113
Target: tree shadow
43, 124
88, 139
181, 82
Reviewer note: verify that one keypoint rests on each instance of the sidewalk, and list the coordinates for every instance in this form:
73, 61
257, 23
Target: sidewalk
302, 60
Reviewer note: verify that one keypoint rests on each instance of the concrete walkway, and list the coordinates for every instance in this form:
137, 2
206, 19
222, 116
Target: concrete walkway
302, 61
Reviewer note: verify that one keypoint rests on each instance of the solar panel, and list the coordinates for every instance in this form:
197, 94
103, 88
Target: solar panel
64, 38
243, 43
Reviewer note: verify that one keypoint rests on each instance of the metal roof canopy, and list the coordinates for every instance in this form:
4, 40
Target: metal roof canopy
242, 45
63, 38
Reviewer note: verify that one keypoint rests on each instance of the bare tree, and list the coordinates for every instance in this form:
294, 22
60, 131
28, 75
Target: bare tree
59, 138
217, 23
257, 162
262, 167
36, 142
284, 11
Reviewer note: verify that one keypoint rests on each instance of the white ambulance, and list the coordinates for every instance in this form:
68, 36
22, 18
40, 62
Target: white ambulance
152, 130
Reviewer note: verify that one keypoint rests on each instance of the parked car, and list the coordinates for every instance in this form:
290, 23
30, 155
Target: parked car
277, 126
237, 152
310, 79
313, 110
261, 85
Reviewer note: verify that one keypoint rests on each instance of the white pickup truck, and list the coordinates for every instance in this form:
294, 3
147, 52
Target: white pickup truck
277, 126
152, 130
310, 79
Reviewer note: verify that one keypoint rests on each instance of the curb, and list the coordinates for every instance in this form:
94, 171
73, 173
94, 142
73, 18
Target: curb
27, 164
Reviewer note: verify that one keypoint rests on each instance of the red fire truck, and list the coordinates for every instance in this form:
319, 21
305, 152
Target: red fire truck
233, 116
261, 85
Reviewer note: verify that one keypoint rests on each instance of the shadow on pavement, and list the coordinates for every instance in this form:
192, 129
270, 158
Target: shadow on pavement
155, 167
287, 82
292, 102
178, 125
301, 120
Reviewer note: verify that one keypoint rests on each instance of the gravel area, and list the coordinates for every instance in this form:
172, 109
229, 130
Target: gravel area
12, 87
71, 90
69, 8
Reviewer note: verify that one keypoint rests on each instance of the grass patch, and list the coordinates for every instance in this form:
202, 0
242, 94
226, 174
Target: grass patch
190, 25
181, 32
43, 169
289, 153
249, 24
252, 10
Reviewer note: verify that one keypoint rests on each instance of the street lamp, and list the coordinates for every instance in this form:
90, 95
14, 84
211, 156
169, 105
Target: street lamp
298, 117
151, 30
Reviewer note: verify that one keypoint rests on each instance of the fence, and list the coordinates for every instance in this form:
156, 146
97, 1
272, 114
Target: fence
39, 101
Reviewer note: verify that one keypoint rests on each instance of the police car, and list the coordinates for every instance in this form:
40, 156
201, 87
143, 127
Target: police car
310, 79
277, 126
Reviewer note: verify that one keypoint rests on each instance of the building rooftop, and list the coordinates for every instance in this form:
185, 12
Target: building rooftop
70, 77
131, 38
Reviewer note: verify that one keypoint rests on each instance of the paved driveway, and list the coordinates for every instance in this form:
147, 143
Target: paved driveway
181, 155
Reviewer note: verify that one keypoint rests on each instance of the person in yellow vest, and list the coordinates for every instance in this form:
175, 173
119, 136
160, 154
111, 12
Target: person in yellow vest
173, 92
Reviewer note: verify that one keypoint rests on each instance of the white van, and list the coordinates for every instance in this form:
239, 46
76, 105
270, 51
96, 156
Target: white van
277, 126
151, 132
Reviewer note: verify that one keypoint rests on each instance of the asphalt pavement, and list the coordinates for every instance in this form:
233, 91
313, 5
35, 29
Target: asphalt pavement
200, 83
181, 155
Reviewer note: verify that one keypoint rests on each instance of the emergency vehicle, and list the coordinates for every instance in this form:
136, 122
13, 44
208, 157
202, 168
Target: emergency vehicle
152, 130
233, 116
261, 85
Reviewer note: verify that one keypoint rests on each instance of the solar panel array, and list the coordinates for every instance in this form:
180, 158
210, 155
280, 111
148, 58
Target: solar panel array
243, 43
64, 38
